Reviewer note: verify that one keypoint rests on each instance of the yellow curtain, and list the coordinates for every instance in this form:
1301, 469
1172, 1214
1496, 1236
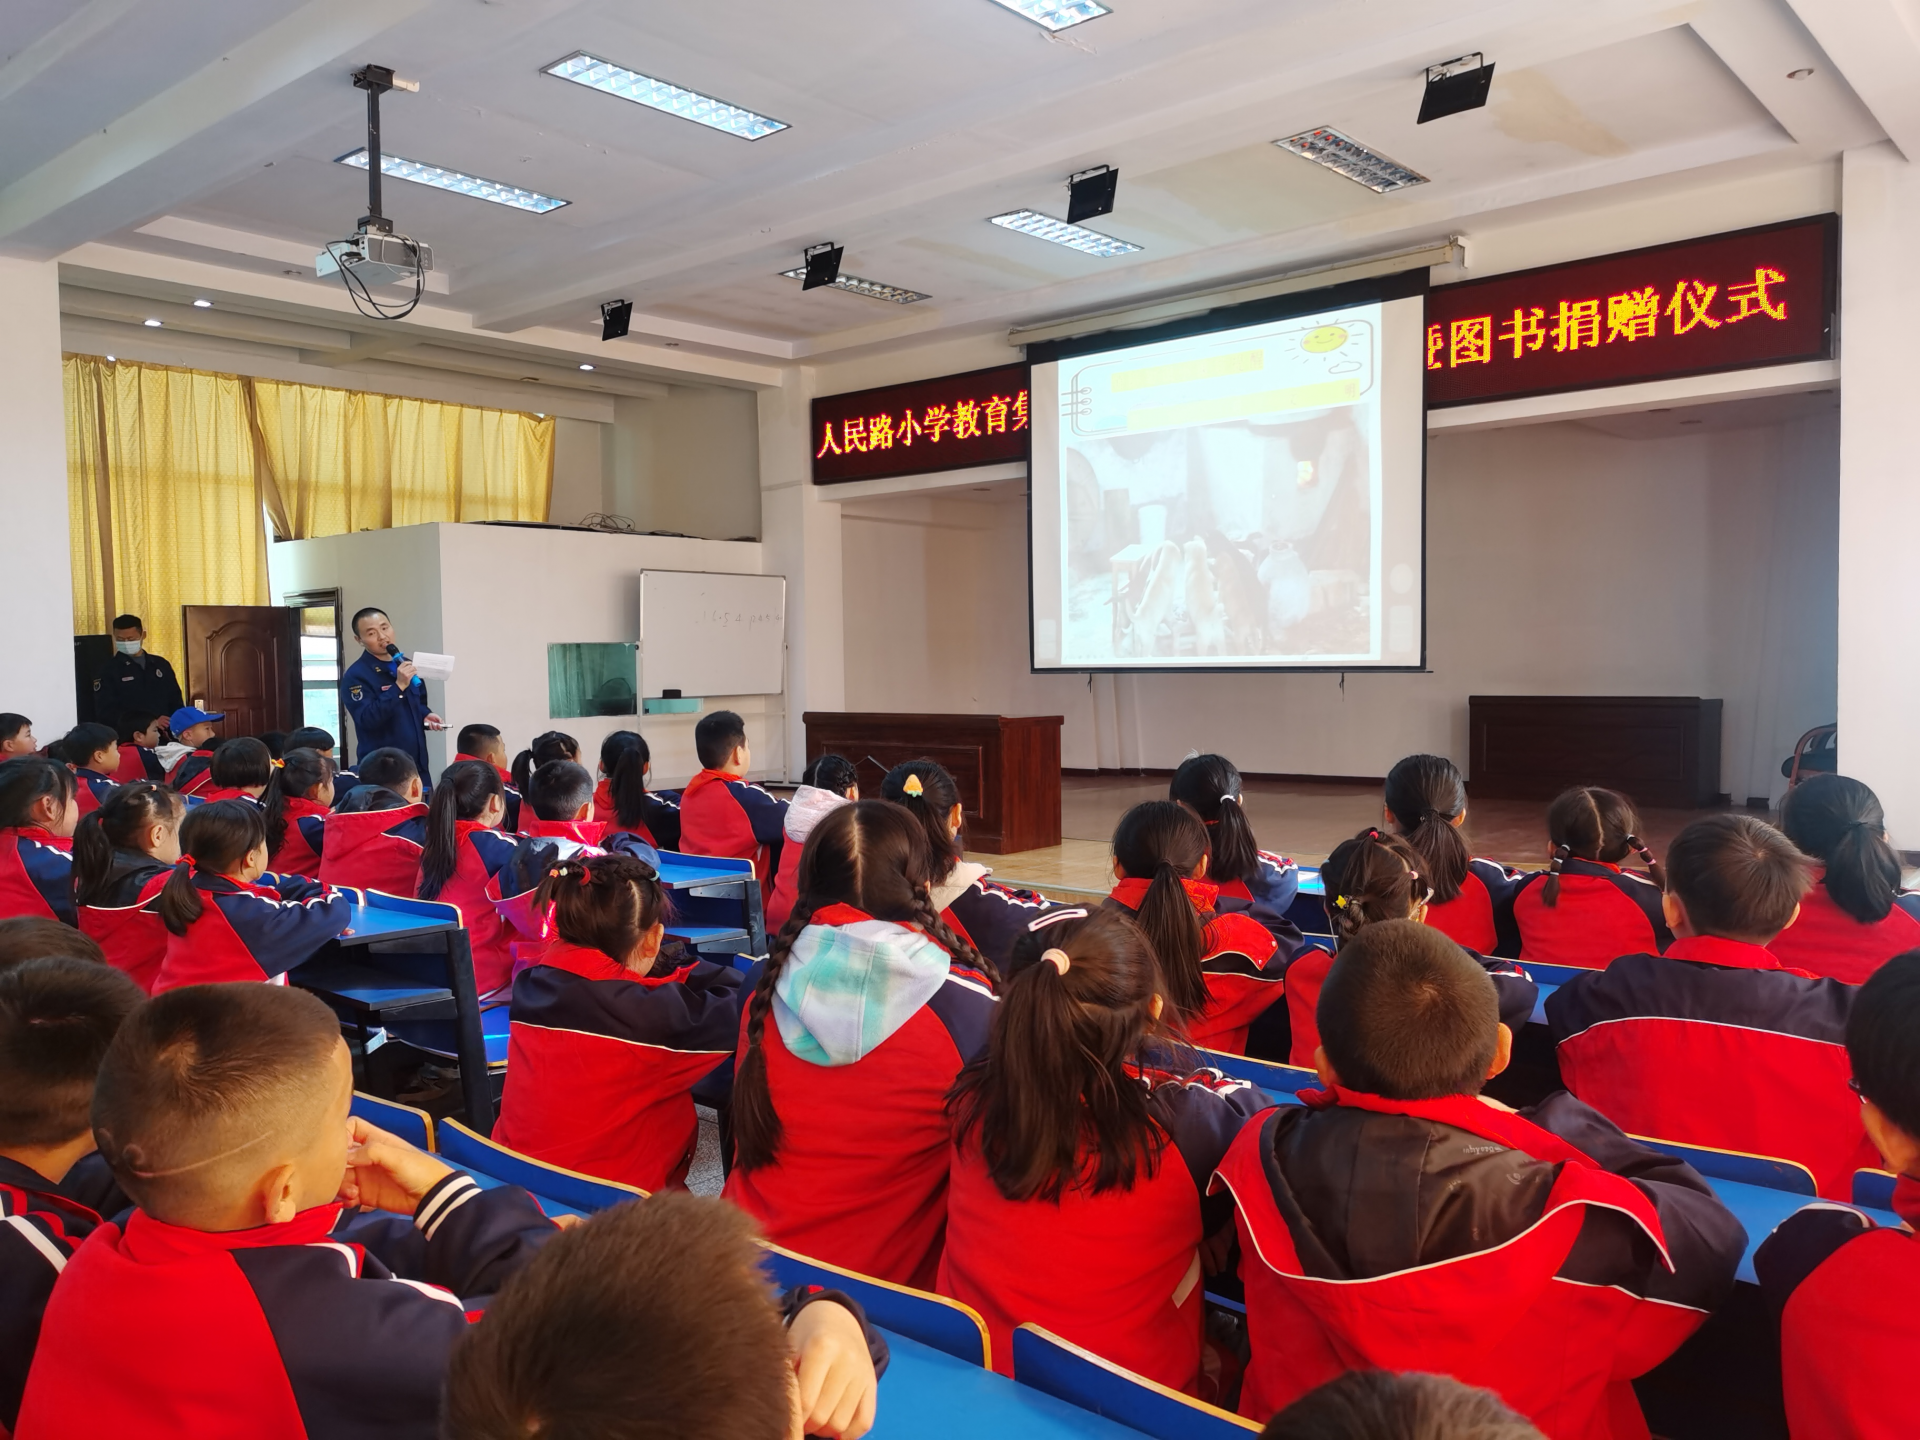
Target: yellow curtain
163, 503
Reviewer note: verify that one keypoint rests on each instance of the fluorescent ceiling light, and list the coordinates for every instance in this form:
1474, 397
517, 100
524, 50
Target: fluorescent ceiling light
1074, 237
1346, 156
151, 324
1056, 14
586, 367
439, 178
872, 289
203, 304
612, 79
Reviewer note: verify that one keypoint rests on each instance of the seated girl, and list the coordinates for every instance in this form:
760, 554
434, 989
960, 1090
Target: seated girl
122, 854
1856, 917
1080, 1167
1222, 971
1584, 909
38, 813
463, 851
612, 1028
828, 783
1251, 881
1426, 802
296, 804
865, 1011
622, 802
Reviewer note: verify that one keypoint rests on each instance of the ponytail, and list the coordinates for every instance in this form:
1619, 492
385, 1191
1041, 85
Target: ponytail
1374, 876
548, 745
1591, 823
92, 860
522, 769
116, 825
1550, 891
1427, 796
1839, 822
1164, 843
462, 794
215, 839
1209, 786
834, 773
179, 904
928, 793
604, 902
301, 771
627, 784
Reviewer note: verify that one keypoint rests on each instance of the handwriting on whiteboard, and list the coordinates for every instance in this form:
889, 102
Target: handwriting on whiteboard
747, 618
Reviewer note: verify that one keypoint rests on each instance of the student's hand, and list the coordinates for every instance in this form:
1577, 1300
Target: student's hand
384, 1172
834, 1389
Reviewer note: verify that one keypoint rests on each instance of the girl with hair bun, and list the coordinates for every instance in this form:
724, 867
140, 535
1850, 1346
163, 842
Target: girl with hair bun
1252, 881
1584, 908
1856, 917
1080, 1162
1426, 803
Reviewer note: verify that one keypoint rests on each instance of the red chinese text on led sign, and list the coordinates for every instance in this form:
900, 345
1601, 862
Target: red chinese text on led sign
1757, 297
956, 421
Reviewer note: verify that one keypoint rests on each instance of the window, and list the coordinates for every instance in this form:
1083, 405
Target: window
592, 679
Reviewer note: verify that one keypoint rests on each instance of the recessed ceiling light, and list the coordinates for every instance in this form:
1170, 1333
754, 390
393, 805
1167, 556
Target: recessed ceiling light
586, 367
1346, 156
439, 178
151, 323
203, 304
611, 79
872, 289
1056, 14
1074, 237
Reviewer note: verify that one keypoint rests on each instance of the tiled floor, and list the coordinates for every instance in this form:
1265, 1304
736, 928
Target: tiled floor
1304, 819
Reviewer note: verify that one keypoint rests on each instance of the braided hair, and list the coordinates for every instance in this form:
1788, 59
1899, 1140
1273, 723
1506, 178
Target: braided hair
1589, 823
1372, 877
609, 903
1426, 796
873, 856
1209, 785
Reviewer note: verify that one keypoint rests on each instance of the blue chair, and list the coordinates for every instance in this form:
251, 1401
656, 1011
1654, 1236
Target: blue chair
1308, 911
716, 905
1055, 1367
945, 1325
1280, 1081
411, 1125
1874, 1188
1740, 1167
564, 1191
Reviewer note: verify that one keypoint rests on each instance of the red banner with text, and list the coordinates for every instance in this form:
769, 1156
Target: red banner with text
956, 421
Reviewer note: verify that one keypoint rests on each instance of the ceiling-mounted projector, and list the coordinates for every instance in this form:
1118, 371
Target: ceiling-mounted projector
374, 258
373, 254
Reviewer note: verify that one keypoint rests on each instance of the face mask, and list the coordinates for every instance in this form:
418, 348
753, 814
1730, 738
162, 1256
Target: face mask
127, 647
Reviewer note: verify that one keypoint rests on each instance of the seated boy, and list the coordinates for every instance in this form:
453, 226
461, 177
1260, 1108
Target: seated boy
192, 728
1540, 1253
34, 937
560, 805
661, 1310
1656, 1042
142, 733
483, 743
242, 1296
1842, 1285
559, 802
1380, 1405
16, 736
56, 1020
720, 814
373, 841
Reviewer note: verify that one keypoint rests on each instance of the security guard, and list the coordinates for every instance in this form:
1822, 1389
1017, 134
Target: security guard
387, 701
133, 680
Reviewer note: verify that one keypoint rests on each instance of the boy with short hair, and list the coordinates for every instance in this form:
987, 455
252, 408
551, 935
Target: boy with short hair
1842, 1285
1651, 1040
142, 733
661, 1310
373, 841
242, 1297
34, 937
57, 1017
557, 825
1398, 1219
16, 736
720, 814
193, 728
483, 743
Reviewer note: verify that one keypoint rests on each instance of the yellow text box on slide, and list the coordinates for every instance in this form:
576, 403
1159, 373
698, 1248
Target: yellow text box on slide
1212, 367
1239, 407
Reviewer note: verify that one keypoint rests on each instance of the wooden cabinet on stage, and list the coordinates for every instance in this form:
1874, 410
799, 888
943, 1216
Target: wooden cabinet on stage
1658, 749
1007, 767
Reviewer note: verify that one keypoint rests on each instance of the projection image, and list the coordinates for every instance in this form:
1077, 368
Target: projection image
1244, 498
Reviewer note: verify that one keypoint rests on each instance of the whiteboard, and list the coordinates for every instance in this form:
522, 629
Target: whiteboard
705, 634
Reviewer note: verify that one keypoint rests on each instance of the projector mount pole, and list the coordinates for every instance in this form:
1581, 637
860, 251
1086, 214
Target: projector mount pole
376, 80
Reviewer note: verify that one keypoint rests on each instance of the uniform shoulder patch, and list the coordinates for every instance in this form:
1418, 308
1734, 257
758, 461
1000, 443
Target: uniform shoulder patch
355, 693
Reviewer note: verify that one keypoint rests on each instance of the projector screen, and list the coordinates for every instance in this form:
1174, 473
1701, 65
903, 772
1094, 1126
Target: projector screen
1246, 493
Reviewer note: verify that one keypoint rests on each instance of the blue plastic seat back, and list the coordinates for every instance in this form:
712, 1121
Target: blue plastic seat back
1045, 1362
933, 1320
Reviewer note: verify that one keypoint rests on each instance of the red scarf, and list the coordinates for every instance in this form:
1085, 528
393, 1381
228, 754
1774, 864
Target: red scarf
1203, 893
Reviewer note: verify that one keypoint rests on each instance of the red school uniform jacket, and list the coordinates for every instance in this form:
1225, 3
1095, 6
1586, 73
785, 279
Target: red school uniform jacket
1244, 969
601, 1062
36, 874
986, 914
91, 789
1715, 1043
374, 849
126, 929
481, 852
660, 820
1306, 975
1826, 940
1604, 911
299, 852
860, 1178
1541, 1254
326, 1327
1843, 1288
139, 762
192, 772
724, 816
1474, 916
252, 932
1118, 1272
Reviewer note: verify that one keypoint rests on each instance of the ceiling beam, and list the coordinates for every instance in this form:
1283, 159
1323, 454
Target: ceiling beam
92, 19
1872, 43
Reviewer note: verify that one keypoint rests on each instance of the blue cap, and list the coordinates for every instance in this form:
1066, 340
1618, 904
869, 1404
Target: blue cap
187, 716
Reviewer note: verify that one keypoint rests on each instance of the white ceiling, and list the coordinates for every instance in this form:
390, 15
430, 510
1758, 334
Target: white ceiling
166, 148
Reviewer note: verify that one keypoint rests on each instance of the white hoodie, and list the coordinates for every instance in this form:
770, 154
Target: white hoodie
808, 807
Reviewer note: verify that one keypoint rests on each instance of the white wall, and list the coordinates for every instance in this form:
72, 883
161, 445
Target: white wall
579, 484
690, 462
34, 552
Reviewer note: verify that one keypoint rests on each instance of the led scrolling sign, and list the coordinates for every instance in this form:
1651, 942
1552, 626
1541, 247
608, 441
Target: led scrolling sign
956, 421
1725, 302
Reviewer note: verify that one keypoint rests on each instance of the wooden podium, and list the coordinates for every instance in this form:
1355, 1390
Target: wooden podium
1007, 767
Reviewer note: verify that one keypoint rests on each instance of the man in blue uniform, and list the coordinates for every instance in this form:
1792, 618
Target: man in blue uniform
133, 680
387, 701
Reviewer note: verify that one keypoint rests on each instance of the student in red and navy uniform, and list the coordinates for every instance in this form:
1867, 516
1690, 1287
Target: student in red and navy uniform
141, 734
1716, 1043
483, 743
612, 1029
465, 850
1373, 877
1856, 917
548, 746
295, 806
38, 813
258, 1289
1221, 971
123, 854
16, 736
227, 916
828, 782
1843, 1286
312, 737
865, 1011
192, 727
1583, 909
984, 913
1426, 803
373, 839
1251, 881
241, 769
720, 814
1080, 1161
623, 802
57, 1017
1398, 1220
92, 752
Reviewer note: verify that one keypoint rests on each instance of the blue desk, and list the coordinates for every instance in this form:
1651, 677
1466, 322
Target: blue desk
928, 1395
1546, 987
1761, 1209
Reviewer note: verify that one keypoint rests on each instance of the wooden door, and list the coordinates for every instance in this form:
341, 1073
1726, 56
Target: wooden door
243, 661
